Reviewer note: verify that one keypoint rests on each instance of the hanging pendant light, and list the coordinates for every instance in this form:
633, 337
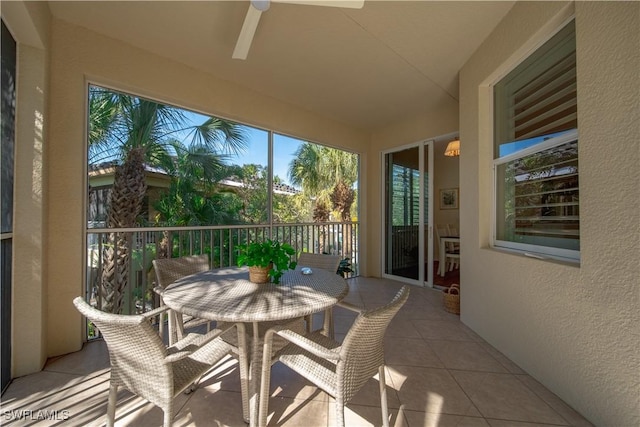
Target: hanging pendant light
453, 148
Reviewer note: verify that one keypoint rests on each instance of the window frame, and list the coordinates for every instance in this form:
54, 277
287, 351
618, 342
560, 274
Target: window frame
528, 249
537, 251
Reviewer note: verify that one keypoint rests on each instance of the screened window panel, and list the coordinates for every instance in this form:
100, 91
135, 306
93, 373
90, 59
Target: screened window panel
7, 128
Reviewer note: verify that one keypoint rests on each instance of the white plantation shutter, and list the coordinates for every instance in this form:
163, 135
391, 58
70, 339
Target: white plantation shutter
548, 103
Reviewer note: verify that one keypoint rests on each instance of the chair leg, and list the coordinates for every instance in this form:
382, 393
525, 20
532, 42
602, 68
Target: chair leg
111, 407
179, 325
168, 417
176, 327
265, 380
172, 328
339, 413
161, 326
309, 322
327, 327
383, 396
243, 362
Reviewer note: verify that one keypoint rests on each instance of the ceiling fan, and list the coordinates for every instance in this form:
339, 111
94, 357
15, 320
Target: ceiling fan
258, 6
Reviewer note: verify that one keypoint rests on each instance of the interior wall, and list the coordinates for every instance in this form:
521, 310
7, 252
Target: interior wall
441, 121
79, 55
28, 23
446, 175
572, 327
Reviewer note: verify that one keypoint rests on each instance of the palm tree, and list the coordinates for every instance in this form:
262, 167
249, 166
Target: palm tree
329, 175
135, 132
193, 196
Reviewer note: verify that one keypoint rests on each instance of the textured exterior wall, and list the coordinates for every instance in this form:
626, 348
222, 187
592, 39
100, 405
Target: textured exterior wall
28, 23
572, 327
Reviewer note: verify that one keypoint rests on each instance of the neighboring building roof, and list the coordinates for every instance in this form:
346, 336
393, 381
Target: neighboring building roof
101, 175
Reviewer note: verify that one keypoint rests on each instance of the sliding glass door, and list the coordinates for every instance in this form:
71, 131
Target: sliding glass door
407, 217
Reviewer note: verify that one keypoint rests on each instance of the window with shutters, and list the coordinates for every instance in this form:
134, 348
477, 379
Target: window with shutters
536, 152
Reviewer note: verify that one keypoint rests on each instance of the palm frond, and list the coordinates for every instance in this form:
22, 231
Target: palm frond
219, 136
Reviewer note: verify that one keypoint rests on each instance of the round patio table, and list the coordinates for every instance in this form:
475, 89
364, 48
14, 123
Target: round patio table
227, 295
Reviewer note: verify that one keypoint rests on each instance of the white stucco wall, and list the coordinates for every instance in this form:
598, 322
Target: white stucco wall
28, 23
573, 328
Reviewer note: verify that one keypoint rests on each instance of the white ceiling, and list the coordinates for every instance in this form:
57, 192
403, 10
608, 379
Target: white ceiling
364, 67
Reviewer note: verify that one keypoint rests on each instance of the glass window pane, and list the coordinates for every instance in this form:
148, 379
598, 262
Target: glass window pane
327, 180
402, 199
194, 169
246, 186
538, 199
290, 203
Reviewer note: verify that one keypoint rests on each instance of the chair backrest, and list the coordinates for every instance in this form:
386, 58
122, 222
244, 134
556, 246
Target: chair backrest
325, 262
168, 270
442, 230
135, 351
453, 231
362, 350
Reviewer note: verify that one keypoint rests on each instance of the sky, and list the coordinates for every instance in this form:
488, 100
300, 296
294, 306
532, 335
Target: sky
511, 147
256, 153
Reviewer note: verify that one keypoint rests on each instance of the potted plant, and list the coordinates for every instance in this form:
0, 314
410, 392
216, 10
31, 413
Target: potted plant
267, 259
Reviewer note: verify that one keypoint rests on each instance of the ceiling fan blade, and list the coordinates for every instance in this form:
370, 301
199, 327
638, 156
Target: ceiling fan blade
351, 4
246, 33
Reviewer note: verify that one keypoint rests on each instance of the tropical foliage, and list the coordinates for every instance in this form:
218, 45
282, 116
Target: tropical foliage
134, 132
328, 174
137, 136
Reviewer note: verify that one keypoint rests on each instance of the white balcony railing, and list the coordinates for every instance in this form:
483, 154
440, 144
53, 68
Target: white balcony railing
220, 242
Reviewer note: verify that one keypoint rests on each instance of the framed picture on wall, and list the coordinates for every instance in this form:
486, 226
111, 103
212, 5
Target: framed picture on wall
449, 198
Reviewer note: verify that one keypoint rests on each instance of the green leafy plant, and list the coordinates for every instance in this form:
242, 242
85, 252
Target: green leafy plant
266, 253
344, 267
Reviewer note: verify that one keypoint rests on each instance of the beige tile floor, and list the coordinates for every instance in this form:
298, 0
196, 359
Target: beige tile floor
439, 374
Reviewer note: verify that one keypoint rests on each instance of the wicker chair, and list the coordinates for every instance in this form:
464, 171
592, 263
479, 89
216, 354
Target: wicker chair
142, 364
325, 262
168, 270
339, 369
